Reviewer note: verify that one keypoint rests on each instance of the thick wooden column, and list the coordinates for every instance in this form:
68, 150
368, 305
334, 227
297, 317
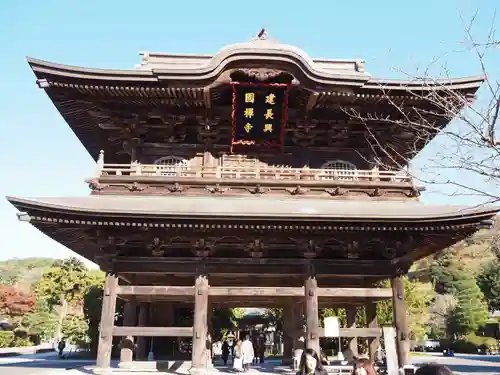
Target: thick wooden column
312, 319
288, 333
142, 344
107, 322
298, 325
210, 313
127, 343
351, 323
200, 326
400, 320
371, 319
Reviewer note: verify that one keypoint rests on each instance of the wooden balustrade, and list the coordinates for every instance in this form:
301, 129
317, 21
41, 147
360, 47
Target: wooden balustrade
254, 173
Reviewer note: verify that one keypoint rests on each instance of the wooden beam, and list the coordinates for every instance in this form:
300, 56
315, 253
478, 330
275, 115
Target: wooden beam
254, 266
153, 331
142, 290
379, 293
348, 332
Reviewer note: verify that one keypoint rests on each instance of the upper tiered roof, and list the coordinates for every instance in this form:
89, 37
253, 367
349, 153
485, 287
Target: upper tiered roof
179, 95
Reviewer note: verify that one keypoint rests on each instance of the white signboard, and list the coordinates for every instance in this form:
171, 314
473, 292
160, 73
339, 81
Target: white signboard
332, 327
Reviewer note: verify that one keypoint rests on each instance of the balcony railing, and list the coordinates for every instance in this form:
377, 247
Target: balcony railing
254, 173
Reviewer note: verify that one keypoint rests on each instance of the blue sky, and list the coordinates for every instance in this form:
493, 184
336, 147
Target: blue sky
41, 156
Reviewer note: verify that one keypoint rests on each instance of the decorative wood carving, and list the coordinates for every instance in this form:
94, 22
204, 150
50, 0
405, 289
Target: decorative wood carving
298, 190
261, 75
136, 187
96, 186
256, 248
176, 188
203, 247
258, 190
217, 189
336, 191
208, 130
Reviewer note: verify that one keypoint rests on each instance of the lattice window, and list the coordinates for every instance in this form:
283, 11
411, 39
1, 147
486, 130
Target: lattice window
171, 165
339, 170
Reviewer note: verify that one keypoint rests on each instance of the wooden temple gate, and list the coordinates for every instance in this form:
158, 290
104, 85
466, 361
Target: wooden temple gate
242, 180
297, 302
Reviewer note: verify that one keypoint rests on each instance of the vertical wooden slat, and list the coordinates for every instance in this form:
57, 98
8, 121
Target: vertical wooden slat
200, 326
107, 322
351, 323
142, 349
312, 319
400, 320
371, 318
127, 344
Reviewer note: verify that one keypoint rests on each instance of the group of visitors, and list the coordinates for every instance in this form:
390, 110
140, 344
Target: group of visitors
242, 353
311, 364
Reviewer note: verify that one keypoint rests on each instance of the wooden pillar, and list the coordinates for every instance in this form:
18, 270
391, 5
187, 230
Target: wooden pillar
142, 347
210, 312
127, 343
312, 319
288, 333
400, 320
107, 322
351, 323
371, 319
298, 325
200, 326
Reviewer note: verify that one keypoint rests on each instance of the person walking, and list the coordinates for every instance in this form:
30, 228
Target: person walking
61, 346
247, 352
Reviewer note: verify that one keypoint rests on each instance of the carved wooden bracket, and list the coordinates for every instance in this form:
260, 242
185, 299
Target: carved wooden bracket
298, 190
258, 190
256, 248
96, 186
203, 248
136, 187
176, 188
217, 189
336, 191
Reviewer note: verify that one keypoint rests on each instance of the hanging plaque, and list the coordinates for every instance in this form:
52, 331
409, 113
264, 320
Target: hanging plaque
259, 114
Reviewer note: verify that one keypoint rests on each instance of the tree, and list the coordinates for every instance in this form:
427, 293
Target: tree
75, 329
42, 323
419, 297
489, 283
470, 312
65, 283
469, 145
15, 304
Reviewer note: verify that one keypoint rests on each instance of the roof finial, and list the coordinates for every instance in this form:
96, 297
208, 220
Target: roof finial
262, 34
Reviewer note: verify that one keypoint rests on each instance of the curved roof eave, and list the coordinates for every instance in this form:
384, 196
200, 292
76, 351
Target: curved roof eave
212, 70
201, 207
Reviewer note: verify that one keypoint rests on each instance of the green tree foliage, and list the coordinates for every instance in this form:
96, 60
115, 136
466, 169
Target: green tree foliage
75, 329
489, 283
66, 279
41, 323
471, 311
224, 321
419, 297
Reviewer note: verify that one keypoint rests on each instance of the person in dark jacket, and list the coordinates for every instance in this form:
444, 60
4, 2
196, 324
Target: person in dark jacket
225, 352
310, 363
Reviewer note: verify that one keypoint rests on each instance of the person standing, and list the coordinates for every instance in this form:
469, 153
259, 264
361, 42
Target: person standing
61, 346
225, 352
237, 357
247, 352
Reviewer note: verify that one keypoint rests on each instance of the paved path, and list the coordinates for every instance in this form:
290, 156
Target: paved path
39, 364
48, 364
465, 363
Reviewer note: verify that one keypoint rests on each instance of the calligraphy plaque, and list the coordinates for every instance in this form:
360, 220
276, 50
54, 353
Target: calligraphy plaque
259, 114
